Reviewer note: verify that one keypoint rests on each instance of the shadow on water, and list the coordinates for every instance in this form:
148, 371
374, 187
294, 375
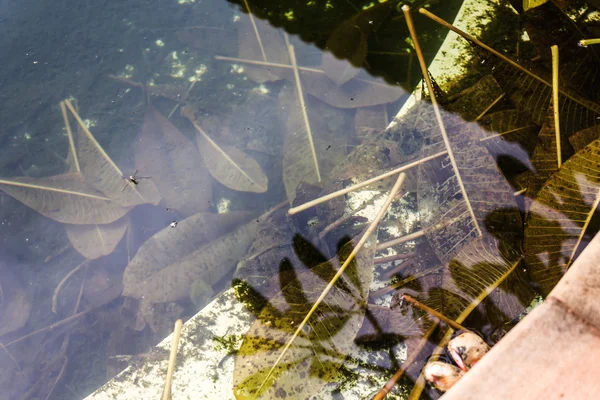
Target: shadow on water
150, 153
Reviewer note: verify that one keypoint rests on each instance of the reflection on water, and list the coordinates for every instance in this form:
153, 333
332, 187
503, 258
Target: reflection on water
151, 152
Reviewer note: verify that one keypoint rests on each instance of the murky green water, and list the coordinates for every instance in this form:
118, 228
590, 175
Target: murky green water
150, 152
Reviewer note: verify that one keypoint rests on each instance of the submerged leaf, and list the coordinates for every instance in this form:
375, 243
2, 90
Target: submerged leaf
347, 52
560, 215
298, 159
200, 247
314, 357
15, 304
64, 198
229, 165
263, 44
445, 213
172, 162
94, 241
100, 171
545, 157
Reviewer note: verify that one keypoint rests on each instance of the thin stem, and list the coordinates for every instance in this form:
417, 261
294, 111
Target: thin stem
172, 359
438, 115
555, 104
63, 282
400, 267
433, 312
496, 53
387, 289
587, 42
405, 365
91, 137
292, 54
286, 66
258, 39
352, 188
52, 189
50, 327
339, 273
402, 256
400, 240
63, 110
488, 108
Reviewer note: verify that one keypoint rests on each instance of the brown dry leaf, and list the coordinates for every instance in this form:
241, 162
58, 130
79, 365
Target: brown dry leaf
172, 162
94, 241
100, 171
14, 302
273, 48
545, 156
161, 280
64, 198
584, 137
229, 165
560, 215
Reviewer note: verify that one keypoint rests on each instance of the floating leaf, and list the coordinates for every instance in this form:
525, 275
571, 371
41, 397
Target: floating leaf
200, 247
172, 162
230, 166
64, 198
100, 171
314, 357
94, 241
560, 215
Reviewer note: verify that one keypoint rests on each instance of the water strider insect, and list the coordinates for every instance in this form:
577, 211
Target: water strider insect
133, 179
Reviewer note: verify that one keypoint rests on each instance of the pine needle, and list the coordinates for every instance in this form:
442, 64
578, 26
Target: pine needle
555, 104
339, 273
438, 115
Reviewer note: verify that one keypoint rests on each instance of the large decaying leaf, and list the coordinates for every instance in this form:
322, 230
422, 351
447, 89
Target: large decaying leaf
229, 165
533, 97
560, 215
64, 198
509, 133
100, 171
200, 247
172, 162
545, 157
315, 356
445, 212
298, 160
94, 241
